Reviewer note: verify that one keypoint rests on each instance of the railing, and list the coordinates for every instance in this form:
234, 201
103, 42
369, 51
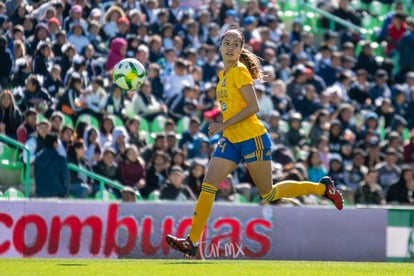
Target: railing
102, 180
26, 150
334, 19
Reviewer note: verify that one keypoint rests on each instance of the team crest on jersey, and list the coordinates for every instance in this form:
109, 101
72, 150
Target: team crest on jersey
223, 106
223, 84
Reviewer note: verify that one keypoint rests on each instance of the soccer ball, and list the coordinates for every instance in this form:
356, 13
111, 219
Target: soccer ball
129, 74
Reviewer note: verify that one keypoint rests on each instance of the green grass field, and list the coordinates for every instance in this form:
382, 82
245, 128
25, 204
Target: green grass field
196, 267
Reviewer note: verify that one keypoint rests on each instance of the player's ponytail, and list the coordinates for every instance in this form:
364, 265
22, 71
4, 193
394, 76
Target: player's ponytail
252, 63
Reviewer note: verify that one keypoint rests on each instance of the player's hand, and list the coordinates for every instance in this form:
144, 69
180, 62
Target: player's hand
215, 128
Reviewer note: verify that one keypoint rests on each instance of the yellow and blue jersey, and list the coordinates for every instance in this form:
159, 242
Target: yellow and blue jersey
231, 102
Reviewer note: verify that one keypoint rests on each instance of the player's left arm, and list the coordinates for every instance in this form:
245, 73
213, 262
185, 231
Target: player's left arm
249, 95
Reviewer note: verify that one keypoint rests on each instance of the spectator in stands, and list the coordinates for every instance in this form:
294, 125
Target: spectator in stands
78, 37
115, 102
380, 88
173, 188
119, 141
404, 49
179, 158
347, 13
329, 72
398, 8
402, 192
354, 174
192, 138
106, 167
318, 125
373, 151
281, 101
160, 143
388, 170
337, 169
65, 140
183, 104
399, 101
294, 137
265, 102
314, 79
226, 191
92, 146
117, 52
359, 90
6, 63
106, 127
157, 86
27, 127
366, 59
80, 184
295, 85
370, 192
315, 167
51, 171
408, 153
179, 79
95, 98
35, 96
277, 134
195, 177
66, 60
42, 59
133, 129
395, 31
75, 15
53, 83
128, 195
10, 115
146, 105
69, 103
309, 103
156, 173
36, 141
41, 33
131, 169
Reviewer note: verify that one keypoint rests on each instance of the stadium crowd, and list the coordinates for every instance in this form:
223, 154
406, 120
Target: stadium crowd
330, 105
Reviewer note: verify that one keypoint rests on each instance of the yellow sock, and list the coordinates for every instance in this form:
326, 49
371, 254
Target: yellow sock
202, 210
293, 189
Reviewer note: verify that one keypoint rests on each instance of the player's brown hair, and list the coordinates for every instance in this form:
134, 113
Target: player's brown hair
248, 58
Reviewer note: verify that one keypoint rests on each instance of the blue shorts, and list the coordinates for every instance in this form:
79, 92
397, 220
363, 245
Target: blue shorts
255, 149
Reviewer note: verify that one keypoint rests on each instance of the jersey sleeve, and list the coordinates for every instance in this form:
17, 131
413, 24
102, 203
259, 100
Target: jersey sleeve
242, 77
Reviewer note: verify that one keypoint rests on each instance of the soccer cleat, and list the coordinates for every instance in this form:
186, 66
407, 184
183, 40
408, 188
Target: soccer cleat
183, 245
332, 192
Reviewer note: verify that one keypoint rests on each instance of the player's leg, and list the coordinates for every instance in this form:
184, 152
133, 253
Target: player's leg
223, 162
257, 155
218, 169
261, 173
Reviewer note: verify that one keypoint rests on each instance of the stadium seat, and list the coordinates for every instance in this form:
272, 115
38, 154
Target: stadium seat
67, 121
183, 124
144, 125
379, 8
10, 166
157, 125
240, 198
117, 121
89, 119
40, 117
107, 196
13, 193
155, 195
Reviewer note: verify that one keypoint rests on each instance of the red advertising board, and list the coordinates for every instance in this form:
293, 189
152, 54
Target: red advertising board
111, 230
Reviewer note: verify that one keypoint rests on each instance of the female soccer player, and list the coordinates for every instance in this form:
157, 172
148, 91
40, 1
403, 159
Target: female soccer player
244, 138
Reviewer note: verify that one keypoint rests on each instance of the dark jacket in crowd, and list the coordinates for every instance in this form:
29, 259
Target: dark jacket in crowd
51, 174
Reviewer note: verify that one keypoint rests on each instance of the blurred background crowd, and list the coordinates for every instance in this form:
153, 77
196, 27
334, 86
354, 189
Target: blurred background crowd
337, 98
